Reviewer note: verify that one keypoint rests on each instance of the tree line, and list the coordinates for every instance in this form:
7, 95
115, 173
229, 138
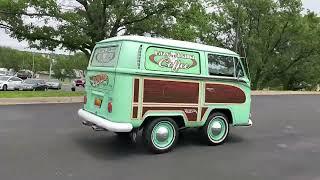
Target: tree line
279, 38
62, 66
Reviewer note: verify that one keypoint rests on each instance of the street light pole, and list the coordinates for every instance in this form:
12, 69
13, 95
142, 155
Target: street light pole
50, 69
33, 64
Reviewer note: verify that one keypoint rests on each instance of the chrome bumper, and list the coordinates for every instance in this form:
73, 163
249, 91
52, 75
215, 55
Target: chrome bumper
250, 124
104, 123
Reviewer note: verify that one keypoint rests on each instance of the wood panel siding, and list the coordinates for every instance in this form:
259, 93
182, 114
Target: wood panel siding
222, 93
162, 91
136, 90
135, 112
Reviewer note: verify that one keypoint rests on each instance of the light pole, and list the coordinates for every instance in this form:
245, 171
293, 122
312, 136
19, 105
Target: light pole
33, 64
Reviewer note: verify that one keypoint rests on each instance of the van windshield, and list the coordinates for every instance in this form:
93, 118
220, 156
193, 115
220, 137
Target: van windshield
105, 56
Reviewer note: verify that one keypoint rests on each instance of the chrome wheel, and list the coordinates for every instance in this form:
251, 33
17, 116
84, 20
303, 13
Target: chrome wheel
161, 134
216, 129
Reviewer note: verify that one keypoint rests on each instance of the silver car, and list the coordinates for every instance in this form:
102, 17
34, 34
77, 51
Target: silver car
53, 84
9, 83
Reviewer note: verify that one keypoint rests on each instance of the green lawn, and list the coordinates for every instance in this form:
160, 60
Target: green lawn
24, 94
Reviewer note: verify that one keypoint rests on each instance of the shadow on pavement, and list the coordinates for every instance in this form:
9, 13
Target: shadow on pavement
107, 145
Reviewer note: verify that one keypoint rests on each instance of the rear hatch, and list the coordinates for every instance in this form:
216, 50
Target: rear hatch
100, 79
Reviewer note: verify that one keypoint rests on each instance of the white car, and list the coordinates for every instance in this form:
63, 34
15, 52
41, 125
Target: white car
9, 83
3, 73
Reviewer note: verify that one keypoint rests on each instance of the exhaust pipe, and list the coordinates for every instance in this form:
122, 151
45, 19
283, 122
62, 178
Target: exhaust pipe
87, 123
97, 128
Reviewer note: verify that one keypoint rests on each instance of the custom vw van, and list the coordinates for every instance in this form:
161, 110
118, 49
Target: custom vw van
161, 86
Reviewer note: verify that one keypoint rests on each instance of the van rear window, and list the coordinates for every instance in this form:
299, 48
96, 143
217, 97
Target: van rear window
105, 56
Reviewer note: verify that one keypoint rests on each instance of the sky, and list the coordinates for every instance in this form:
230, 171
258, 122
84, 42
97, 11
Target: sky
6, 40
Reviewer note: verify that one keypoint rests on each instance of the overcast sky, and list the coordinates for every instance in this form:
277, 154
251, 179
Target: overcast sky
6, 40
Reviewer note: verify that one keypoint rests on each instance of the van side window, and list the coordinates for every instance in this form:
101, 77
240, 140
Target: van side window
219, 65
105, 56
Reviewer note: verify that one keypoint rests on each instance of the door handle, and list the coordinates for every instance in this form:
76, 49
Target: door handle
210, 90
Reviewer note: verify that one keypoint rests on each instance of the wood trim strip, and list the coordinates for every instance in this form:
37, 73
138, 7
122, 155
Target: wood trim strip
136, 91
191, 113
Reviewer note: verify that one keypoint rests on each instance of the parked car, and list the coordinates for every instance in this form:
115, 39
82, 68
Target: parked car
11, 72
54, 84
3, 73
79, 82
33, 85
9, 83
24, 74
300, 86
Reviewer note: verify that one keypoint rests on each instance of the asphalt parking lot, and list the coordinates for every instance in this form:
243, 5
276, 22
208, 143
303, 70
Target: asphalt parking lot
40, 142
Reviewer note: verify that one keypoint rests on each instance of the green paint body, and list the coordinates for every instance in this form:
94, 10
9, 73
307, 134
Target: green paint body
132, 62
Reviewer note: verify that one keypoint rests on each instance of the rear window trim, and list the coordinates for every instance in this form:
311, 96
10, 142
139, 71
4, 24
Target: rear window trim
106, 46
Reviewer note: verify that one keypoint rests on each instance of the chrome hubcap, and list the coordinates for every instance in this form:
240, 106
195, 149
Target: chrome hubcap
162, 134
216, 128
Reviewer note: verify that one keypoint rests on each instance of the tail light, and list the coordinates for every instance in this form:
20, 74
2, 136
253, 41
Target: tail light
85, 99
110, 107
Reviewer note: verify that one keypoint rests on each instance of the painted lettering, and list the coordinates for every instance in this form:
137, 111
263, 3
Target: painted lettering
98, 79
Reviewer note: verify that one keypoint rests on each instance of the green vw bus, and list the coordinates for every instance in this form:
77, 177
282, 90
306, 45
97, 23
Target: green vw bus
161, 86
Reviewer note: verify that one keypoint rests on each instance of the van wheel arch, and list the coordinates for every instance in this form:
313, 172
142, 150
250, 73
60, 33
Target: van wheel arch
226, 112
178, 119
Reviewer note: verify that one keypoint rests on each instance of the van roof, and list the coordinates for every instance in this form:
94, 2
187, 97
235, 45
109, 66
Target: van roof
172, 43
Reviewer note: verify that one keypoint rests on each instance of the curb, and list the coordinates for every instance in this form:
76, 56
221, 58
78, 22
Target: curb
79, 99
41, 100
278, 93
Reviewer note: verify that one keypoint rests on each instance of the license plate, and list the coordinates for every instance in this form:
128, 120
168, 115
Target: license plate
97, 102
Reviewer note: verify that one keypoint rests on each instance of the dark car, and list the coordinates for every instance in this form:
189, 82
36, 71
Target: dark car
301, 86
33, 85
23, 74
77, 83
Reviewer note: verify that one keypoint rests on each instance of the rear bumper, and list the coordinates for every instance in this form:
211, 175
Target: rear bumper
104, 123
250, 123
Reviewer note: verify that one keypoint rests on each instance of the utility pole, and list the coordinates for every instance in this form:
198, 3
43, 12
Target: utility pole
33, 64
238, 28
50, 68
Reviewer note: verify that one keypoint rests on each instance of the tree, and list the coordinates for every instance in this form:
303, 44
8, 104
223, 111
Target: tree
17, 60
90, 21
65, 66
274, 35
